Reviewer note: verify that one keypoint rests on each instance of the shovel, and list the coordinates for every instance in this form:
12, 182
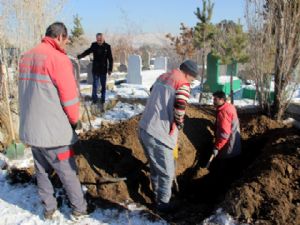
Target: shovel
204, 171
175, 154
77, 78
14, 150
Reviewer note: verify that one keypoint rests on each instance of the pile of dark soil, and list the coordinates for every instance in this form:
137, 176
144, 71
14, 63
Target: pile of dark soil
116, 152
261, 185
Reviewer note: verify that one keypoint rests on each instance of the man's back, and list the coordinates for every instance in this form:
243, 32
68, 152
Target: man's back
158, 115
43, 121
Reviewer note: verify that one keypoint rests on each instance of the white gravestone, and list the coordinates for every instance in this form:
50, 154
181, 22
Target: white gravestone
160, 63
134, 69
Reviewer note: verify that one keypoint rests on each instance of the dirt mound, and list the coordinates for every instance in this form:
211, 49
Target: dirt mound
261, 185
269, 191
115, 152
256, 125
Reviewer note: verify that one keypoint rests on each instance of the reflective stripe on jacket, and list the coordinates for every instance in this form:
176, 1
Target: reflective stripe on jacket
158, 116
228, 139
48, 96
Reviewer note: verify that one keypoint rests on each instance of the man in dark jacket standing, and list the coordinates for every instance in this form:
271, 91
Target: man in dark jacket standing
102, 64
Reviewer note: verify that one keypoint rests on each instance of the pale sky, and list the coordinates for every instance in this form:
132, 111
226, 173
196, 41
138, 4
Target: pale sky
143, 16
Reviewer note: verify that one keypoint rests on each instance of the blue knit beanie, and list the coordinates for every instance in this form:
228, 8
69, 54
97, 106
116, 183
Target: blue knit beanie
190, 67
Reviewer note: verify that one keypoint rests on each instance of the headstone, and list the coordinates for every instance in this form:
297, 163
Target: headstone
146, 60
134, 70
76, 68
123, 67
90, 74
123, 58
160, 63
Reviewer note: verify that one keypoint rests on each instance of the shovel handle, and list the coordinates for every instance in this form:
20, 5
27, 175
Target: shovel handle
77, 78
209, 161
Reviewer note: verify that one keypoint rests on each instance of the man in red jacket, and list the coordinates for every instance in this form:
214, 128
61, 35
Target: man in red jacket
49, 112
227, 147
227, 128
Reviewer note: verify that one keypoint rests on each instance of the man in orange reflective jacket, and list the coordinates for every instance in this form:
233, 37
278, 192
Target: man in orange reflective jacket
49, 111
227, 128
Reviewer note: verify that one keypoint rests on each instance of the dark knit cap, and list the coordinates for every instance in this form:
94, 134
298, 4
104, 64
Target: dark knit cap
190, 67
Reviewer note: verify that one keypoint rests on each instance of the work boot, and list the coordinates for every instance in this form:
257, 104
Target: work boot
76, 216
103, 109
49, 215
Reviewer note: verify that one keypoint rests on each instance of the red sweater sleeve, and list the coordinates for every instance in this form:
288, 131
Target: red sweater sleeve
223, 129
181, 97
64, 80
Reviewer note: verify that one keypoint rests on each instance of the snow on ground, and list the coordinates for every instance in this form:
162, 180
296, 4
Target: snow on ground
123, 111
132, 91
296, 96
20, 204
220, 218
225, 79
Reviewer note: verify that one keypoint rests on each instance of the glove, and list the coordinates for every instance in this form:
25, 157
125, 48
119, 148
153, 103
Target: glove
215, 152
180, 126
74, 126
77, 126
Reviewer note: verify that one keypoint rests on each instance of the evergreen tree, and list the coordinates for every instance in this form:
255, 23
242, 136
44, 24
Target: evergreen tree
230, 46
77, 31
203, 34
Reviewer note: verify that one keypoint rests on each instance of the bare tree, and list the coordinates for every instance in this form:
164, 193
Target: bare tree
261, 50
184, 44
25, 21
124, 41
285, 17
22, 24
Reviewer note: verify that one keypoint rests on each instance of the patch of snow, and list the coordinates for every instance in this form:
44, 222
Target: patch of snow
245, 103
226, 79
95, 123
220, 218
24, 162
123, 111
20, 205
132, 91
83, 75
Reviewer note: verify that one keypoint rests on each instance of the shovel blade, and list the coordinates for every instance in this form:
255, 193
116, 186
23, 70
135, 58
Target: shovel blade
15, 151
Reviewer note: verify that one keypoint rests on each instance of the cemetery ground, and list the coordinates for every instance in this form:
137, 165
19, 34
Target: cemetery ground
260, 187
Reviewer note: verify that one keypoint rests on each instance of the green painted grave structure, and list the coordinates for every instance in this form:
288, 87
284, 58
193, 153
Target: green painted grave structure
214, 83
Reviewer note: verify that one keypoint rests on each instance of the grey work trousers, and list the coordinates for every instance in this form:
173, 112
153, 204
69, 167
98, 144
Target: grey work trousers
162, 166
62, 161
